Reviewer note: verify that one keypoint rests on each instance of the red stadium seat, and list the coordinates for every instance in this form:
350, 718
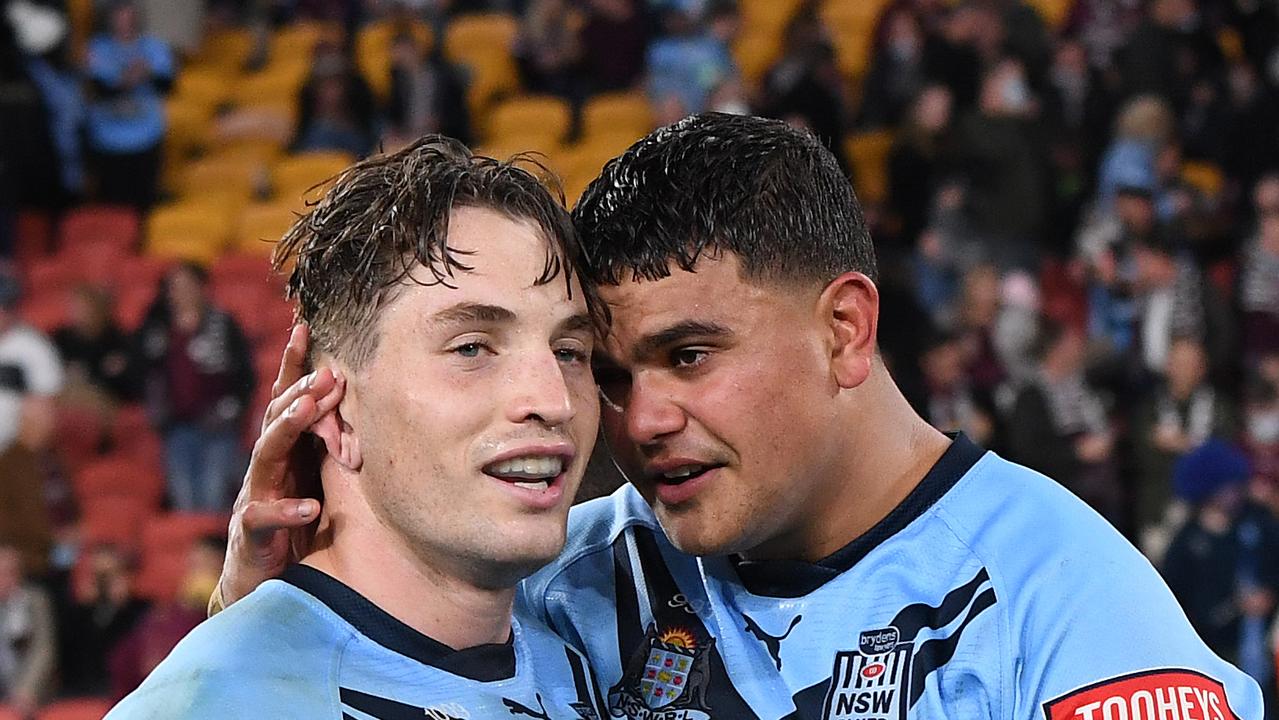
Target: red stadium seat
117, 520
49, 274
100, 224
80, 432
131, 305
166, 542
33, 233
45, 310
78, 709
8, 713
120, 476
245, 267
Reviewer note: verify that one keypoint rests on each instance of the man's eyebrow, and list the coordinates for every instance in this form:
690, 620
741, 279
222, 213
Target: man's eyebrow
679, 332
577, 323
465, 312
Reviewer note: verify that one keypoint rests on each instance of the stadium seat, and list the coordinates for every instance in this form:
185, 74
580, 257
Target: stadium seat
208, 86
270, 85
77, 709
8, 713
617, 113
550, 115
115, 520
858, 18
868, 154
246, 267
33, 236
1205, 177
228, 48
469, 36
373, 50
195, 230
261, 226
166, 541
493, 76
120, 475
770, 16
45, 310
755, 53
80, 432
293, 176
852, 50
231, 173
99, 224
1053, 12
298, 39
132, 303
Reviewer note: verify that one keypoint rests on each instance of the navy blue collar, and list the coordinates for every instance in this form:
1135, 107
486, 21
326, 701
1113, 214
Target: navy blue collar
483, 663
796, 578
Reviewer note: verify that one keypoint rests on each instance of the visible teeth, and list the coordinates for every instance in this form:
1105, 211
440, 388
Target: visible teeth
539, 485
682, 472
533, 468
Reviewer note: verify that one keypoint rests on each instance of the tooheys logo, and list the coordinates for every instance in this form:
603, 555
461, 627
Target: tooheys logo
1167, 694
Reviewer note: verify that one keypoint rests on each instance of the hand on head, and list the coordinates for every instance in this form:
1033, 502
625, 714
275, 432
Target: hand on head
273, 513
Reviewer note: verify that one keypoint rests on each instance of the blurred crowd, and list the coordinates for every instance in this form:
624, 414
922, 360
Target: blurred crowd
1075, 204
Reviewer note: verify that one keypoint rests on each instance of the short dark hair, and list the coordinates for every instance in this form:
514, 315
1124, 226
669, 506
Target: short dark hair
387, 214
772, 195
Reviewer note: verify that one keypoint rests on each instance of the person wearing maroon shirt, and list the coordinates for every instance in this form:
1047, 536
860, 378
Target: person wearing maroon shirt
197, 382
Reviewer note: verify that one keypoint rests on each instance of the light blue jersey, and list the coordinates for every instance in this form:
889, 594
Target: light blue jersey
308, 647
990, 592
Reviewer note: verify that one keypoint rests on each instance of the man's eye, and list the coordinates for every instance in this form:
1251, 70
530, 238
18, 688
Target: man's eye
688, 357
568, 355
469, 350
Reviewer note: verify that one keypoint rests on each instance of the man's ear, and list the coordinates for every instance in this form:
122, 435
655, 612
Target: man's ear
849, 306
340, 439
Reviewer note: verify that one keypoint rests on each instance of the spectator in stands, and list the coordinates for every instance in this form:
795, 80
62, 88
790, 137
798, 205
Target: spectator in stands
951, 403
1259, 279
1261, 437
131, 73
614, 39
1167, 52
104, 609
1004, 163
986, 330
549, 49
336, 110
428, 93
95, 351
28, 662
1144, 127
165, 624
1060, 427
919, 163
897, 70
1251, 146
1181, 413
30, 379
197, 383
688, 61
1221, 565
804, 87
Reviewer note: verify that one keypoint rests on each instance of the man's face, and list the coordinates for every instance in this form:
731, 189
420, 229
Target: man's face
476, 414
718, 404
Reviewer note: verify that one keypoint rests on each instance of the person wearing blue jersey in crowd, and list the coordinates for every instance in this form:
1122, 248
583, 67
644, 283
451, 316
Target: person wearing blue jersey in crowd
446, 314
794, 541
131, 72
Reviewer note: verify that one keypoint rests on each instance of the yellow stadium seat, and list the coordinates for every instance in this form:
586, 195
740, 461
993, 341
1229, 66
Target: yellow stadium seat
859, 17
189, 124
617, 113
270, 85
852, 51
230, 173
549, 115
492, 76
480, 34
298, 40
868, 154
755, 53
1053, 12
261, 225
770, 16
506, 147
373, 50
295, 175
1205, 177
196, 230
208, 85
228, 48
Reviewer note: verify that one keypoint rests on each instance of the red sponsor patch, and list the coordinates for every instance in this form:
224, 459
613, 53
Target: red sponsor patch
871, 672
1150, 695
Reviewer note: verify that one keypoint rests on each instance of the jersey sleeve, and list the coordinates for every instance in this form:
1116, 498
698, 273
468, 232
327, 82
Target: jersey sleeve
1102, 637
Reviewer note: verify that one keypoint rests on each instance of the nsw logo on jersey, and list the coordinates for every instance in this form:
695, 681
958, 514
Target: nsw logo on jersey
871, 681
1164, 694
665, 680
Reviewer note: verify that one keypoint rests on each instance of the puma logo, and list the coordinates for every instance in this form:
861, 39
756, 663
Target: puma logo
773, 643
521, 709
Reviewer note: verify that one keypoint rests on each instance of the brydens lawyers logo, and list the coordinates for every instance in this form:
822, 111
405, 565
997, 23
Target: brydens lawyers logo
871, 681
1163, 694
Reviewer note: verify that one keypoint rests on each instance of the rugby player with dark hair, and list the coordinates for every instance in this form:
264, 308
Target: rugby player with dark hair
446, 314
795, 541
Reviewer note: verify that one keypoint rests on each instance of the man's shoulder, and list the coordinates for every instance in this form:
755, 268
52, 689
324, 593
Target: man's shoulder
275, 645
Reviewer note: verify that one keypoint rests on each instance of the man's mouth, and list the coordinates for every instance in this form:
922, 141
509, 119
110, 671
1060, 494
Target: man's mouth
683, 473
532, 472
